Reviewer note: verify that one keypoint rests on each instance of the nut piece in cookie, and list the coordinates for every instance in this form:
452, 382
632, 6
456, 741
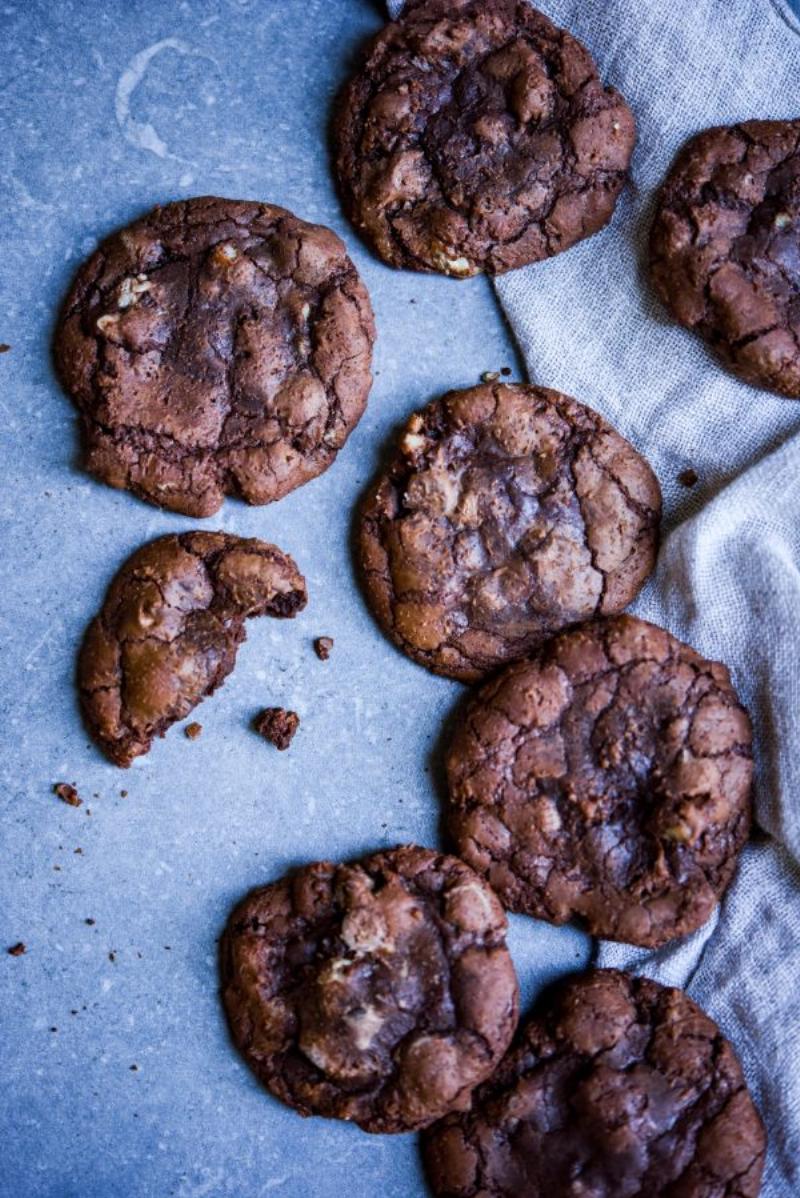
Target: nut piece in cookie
216, 347
507, 513
168, 632
477, 136
278, 726
616, 1086
380, 991
607, 779
725, 248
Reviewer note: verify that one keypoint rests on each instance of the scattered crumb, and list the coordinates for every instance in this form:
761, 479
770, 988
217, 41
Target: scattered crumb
123, 794
57, 868
277, 725
134, 1068
687, 478
168, 947
90, 922
505, 371
73, 1011
323, 646
18, 949
112, 956
68, 794
4, 348
193, 730
490, 376
77, 851
53, 1029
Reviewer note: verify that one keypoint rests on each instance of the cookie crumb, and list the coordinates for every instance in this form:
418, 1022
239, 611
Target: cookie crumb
134, 1068
277, 725
90, 922
68, 794
490, 376
17, 950
323, 646
193, 730
687, 478
505, 371
112, 956
4, 348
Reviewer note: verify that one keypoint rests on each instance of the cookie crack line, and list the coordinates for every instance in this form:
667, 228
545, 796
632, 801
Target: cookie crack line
228, 354
169, 631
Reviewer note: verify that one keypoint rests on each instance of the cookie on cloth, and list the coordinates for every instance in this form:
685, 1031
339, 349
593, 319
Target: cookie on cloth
477, 136
606, 779
725, 248
618, 1087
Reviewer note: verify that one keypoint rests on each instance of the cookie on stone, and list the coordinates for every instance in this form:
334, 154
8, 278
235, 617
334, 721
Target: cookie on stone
169, 629
508, 512
618, 1087
725, 248
380, 991
606, 779
216, 347
477, 136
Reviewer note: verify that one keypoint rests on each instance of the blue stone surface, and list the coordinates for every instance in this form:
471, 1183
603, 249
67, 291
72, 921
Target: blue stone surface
118, 1077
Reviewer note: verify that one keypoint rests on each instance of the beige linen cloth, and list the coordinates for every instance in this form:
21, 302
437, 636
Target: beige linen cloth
728, 578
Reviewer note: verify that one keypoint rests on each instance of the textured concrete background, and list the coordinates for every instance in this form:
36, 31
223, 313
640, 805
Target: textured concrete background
118, 1078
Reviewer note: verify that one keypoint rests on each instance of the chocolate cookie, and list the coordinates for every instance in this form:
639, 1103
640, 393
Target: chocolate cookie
216, 347
725, 248
617, 1088
508, 512
477, 136
168, 631
380, 991
608, 778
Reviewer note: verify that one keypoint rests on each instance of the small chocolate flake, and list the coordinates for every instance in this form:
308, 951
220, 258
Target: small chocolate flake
323, 646
112, 957
687, 478
277, 725
90, 922
18, 949
134, 1068
505, 371
193, 730
68, 794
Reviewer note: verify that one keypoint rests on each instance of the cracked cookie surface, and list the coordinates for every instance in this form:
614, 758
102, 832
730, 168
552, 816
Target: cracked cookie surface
477, 136
606, 779
725, 248
508, 512
618, 1087
379, 991
169, 628
216, 347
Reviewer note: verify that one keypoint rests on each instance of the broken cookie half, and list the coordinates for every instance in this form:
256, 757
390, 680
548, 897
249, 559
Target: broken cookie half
168, 631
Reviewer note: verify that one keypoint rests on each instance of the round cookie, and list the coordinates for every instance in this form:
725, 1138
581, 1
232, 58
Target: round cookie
216, 347
477, 136
617, 1088
507, 513
725, 248
169, 630
608, 778
380, 991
